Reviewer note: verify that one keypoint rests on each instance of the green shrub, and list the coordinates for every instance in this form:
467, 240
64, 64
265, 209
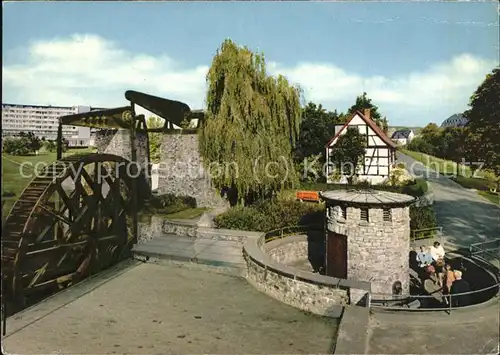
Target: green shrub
49, 146
475, 183
271, 214
8, 194
422, 217
416, 189
170, 203
16, 146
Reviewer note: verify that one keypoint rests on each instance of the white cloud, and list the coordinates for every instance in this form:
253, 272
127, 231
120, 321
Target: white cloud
451, 82
87, 69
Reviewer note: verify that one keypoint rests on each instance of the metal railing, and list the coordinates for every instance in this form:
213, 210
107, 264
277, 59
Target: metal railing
444, 302
490, 248
413, 302
427, 233
290, 231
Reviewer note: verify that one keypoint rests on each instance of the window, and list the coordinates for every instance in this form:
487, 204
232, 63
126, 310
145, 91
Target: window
387, 215
343, 212
364, 214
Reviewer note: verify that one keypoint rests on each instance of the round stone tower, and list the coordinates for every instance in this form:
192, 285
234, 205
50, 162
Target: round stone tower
368, 238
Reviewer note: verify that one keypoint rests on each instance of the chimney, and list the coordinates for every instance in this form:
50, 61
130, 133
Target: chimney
368, 114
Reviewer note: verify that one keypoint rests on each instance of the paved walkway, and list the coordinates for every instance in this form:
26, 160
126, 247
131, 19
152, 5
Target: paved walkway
465, 331
465, 216
167, 309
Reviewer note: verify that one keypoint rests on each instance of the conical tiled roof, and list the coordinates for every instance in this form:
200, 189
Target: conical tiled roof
367, 197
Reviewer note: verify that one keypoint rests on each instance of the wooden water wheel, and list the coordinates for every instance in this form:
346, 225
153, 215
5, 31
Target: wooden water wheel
76, 217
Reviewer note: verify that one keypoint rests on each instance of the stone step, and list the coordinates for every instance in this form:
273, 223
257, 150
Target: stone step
225, 254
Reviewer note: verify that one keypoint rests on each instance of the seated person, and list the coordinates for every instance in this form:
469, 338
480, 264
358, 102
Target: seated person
424, 258
449, 277
432, 276
437, 252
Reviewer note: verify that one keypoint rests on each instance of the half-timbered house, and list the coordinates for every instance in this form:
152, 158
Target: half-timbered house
380, 153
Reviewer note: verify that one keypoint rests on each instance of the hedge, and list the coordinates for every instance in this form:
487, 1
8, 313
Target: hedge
169, 203
271, 214
422, 217
475, 183
417, 189
8, 194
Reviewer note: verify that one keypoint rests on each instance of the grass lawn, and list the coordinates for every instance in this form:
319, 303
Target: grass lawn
482, 182
442, 166
474, 183
15, 177
493, 197
190, 213
482, 186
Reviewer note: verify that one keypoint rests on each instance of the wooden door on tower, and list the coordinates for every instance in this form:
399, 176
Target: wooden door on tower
336, 255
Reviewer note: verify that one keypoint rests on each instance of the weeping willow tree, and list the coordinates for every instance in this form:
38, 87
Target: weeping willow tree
251, 125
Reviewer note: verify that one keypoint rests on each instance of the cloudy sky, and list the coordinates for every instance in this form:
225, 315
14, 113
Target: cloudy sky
419, 62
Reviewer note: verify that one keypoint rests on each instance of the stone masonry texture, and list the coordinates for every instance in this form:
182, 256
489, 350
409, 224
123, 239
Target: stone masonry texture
117, 142
322, 300
377, 249
289, 250
181, 171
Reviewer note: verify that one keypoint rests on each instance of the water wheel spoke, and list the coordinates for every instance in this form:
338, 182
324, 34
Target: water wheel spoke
91, 183
67, 223
68, 202
55, 214
58, 282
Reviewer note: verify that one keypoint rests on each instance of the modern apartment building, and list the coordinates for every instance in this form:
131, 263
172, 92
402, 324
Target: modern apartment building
43, 122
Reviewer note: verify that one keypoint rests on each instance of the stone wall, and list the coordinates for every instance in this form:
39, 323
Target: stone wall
289, 250
151, 227
305, 290
117, 142
323, 300
181, 170
377, 249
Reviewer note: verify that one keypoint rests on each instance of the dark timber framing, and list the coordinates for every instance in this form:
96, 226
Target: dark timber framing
374, 148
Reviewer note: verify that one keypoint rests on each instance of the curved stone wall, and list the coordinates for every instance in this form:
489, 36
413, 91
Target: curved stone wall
308, 291
287, 251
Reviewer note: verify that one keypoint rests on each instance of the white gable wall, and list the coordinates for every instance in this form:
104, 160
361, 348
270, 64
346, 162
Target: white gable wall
378, 157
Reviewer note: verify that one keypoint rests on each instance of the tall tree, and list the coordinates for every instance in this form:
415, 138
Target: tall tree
472, 144
251, 126
419, 144
432, 135
317, 127
453, 145
348, 153
364, 102
484, 120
